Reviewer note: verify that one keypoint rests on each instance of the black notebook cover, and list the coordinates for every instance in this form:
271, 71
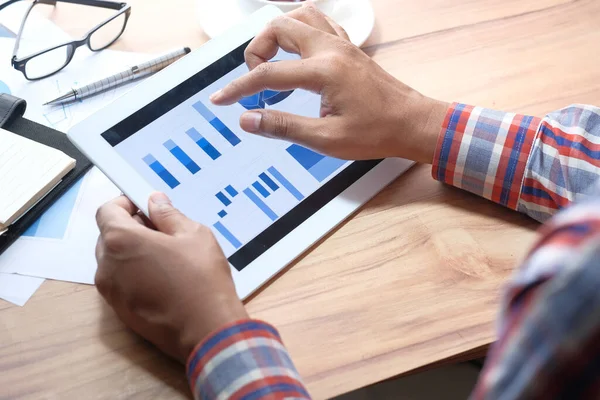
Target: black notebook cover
11, 119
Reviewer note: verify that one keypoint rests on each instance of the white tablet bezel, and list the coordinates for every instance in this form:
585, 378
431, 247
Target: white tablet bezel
87, 137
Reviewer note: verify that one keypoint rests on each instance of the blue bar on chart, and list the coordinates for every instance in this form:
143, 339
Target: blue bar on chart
161, 171
261, 99
232, 192
268, 181
223, 199
319, 166
227, 235
286, 184
222, 213
260, 204
261, 189
204, 144
181, 156
217, 123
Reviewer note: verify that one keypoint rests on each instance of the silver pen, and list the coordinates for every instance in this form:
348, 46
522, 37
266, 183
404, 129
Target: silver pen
130, 74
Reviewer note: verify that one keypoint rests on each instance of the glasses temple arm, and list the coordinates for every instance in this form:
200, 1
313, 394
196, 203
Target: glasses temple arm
21, 28
113, 5
8, 3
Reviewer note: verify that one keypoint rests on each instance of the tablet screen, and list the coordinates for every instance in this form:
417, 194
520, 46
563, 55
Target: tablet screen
251, 190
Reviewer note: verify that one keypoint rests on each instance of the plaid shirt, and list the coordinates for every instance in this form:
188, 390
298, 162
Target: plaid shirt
549, 330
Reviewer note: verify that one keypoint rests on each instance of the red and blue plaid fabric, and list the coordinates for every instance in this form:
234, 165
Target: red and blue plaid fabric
485, 152
549, 331
245, 360
534, 166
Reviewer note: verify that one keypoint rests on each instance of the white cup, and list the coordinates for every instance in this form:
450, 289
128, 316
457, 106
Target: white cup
327, 6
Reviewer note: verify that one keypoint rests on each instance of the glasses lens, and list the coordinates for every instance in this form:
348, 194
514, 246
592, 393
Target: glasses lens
47, 63
108, 33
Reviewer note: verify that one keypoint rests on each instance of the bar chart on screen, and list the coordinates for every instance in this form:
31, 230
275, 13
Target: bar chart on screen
265, 199
262, 99
319, 166
251, 198
237, 183
217, 123
204, 144
183, 156
242, 210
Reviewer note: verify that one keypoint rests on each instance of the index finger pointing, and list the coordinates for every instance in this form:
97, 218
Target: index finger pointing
282, 75
120, 209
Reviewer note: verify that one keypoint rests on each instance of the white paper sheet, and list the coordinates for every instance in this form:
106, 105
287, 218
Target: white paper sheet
61, 244
18, 289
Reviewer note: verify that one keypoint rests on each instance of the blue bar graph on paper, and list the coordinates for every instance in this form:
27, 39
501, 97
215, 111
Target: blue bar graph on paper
5, 33
181, 156
217, 123
53, 224
268, 181
260, 204
261, 189
161, 171
222, 213
319, 166
227, 235
285, 183
223, 199
232, 192
204, 144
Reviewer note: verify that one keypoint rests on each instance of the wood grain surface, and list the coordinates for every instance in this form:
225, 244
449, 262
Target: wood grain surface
412, 279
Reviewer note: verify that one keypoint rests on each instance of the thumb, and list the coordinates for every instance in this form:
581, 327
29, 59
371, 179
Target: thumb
165, 217
294, 128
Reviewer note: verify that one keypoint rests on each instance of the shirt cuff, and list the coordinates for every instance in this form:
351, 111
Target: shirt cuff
246, 359
485, 152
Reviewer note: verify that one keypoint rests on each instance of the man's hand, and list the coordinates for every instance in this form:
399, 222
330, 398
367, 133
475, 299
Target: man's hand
365, 112
168, 280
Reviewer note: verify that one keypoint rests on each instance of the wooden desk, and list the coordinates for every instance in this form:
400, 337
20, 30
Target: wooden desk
413, 279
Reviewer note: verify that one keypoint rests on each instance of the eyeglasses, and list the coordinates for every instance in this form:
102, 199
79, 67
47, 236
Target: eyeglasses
48, 62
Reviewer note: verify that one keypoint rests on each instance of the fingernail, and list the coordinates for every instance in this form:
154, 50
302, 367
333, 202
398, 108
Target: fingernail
250, 121
160, 199
216, 95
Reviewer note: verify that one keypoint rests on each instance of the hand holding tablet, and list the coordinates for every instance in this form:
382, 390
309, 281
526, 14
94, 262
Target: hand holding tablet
196, 294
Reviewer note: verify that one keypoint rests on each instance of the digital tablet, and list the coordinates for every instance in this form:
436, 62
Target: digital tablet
266, 200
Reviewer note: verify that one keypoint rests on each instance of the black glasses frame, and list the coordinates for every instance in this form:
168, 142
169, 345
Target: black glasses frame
20, 63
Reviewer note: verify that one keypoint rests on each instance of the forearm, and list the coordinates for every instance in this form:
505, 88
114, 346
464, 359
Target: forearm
522, 162
244, 360
549, 327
